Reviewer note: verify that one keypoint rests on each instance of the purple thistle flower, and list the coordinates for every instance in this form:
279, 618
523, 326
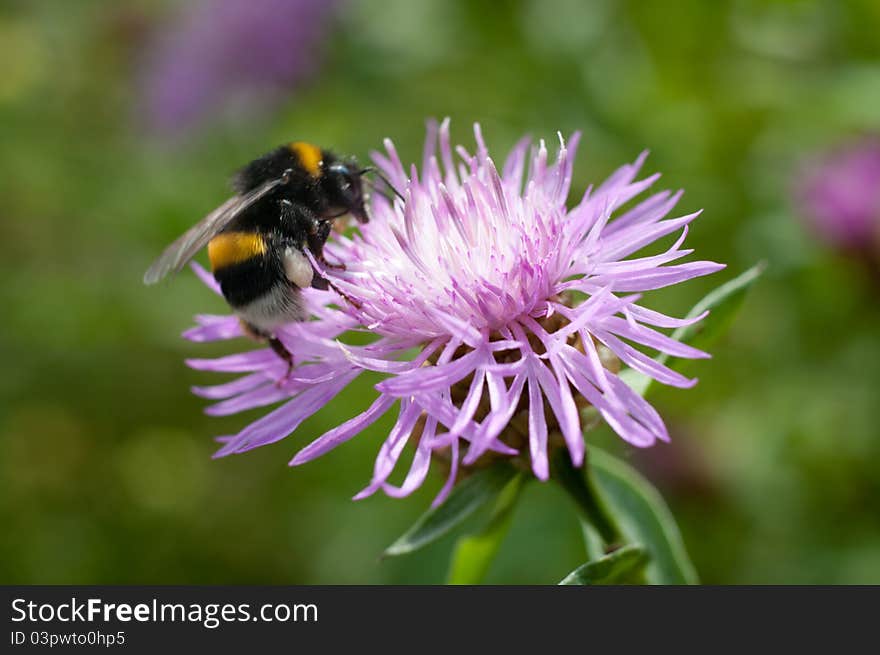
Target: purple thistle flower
232, 50
840, 196
473, 289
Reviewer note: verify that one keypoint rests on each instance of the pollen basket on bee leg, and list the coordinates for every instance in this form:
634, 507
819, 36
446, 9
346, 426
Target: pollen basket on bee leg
298, 268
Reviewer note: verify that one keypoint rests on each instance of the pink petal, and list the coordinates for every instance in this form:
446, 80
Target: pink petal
342, 433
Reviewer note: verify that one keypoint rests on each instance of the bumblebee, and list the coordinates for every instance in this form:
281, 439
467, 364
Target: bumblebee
285, 203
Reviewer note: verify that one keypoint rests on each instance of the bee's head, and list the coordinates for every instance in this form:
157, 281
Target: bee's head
343, 187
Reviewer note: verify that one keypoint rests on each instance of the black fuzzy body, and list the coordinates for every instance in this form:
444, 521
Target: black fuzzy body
294, 217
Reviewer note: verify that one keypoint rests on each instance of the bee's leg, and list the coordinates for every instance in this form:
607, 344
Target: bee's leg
251, 331
318, 235
279, 349
319, 232
328, 284
274, 343
351, 301
334, 267
320, 282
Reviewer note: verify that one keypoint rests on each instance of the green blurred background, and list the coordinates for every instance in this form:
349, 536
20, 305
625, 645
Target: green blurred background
106, 473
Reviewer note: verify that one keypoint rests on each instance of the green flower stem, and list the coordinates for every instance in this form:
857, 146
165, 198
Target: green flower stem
582, 489
474, 553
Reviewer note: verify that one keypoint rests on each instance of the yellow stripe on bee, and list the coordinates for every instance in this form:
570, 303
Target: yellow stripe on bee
309, 156
228, 248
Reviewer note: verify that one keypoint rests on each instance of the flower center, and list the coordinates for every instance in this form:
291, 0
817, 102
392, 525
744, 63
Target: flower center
516, 433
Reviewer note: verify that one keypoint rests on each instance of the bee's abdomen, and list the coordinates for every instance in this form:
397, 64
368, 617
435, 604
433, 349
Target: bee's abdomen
245, 282
244, 266
231, 248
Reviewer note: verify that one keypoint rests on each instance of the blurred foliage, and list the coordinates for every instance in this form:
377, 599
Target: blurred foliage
105, 469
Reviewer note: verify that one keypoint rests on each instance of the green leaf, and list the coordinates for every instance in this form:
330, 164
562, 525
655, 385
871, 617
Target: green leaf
592, 541
473, 554
644, 518
722, 304
622, 566
468, 496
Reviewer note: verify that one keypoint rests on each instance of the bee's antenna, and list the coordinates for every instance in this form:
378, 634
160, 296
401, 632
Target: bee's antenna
372, 169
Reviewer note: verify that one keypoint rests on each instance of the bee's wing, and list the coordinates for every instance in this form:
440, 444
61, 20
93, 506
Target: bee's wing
185, 248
